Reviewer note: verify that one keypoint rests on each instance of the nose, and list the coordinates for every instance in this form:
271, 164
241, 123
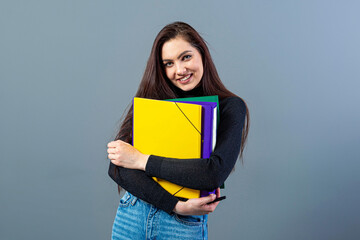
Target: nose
180, 69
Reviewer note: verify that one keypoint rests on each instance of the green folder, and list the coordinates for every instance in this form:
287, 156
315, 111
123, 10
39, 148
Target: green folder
214, 98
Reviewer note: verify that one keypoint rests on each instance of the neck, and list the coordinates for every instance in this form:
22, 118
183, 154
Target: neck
196, 92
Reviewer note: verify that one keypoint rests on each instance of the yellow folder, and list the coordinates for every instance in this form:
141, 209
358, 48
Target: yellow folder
168, 129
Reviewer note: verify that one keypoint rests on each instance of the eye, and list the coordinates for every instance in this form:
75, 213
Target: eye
186, 57
168, 64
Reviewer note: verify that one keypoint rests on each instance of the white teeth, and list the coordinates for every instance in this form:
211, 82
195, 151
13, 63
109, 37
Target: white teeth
185, 78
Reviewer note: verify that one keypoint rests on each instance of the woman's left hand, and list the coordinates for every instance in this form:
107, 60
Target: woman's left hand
124, 155
198, 206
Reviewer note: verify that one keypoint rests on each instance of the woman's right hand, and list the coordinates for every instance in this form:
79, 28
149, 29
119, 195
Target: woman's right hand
197, 206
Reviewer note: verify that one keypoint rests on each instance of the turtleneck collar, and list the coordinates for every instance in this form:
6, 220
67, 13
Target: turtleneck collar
196, 92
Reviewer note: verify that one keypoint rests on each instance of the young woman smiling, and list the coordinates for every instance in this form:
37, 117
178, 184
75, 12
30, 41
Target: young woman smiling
179, 65
183, 64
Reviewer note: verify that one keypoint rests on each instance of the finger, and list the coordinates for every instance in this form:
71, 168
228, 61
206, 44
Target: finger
115, 163
111, 144
111, 156
213, 205
208, 208
207, 199
217, 192
112, 150
117, 143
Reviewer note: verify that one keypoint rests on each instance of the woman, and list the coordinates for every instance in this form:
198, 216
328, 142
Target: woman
179, 66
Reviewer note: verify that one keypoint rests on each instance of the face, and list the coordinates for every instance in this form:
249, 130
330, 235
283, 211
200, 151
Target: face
183, 64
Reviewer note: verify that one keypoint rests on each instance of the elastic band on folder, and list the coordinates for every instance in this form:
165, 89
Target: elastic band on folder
188, 120
178, 191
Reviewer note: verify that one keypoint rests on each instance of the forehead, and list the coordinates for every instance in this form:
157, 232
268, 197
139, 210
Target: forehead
174, 47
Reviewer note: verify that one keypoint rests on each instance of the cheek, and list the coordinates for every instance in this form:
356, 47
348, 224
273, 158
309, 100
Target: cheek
201, 70
168, 73
198, 66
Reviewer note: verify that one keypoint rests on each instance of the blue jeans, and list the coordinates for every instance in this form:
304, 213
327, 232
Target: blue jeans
137, 219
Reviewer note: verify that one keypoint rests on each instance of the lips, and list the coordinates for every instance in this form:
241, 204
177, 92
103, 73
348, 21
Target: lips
185, 79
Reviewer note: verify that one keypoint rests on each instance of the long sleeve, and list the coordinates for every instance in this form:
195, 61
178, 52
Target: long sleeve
143, 187
207, 173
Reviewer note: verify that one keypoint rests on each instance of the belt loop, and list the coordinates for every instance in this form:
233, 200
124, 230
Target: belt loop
133, 201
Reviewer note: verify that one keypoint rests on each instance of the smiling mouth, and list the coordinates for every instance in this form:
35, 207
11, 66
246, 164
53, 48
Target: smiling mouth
185, 78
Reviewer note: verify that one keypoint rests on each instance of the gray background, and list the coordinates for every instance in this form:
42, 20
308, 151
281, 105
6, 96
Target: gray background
68, 70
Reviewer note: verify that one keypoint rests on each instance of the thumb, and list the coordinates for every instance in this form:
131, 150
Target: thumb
207, 199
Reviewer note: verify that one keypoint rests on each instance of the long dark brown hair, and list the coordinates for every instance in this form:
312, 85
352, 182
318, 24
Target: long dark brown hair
156, 85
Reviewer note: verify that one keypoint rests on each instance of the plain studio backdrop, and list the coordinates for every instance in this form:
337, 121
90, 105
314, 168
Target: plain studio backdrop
69, 69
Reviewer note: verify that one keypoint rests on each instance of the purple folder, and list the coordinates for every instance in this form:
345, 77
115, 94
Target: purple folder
207, 131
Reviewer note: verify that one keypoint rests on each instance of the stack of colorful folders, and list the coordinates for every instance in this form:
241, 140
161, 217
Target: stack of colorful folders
177, 128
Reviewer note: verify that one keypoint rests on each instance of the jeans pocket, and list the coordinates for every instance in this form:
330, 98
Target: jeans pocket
192, 220
127, 199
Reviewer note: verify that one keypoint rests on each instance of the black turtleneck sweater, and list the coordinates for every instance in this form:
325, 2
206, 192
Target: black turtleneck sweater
201, 173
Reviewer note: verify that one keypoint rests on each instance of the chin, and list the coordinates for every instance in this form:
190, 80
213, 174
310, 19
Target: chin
186, 88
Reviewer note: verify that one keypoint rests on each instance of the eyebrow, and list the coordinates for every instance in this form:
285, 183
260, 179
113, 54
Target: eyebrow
181, 54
